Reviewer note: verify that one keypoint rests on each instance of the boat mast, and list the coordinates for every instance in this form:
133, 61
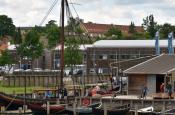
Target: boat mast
62, 43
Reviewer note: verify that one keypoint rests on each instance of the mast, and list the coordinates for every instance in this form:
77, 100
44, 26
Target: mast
62, 43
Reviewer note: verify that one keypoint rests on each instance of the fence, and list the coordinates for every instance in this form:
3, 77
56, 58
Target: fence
47, 79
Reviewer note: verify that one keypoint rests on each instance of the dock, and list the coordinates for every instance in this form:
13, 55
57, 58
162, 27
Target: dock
134, 101
16, 112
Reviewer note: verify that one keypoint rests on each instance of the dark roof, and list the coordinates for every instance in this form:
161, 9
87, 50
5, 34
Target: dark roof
103, 28
162, 64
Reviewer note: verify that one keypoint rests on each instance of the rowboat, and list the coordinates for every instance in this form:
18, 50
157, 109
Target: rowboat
112, 110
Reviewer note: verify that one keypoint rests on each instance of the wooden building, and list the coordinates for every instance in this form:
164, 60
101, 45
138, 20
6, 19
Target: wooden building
151, 73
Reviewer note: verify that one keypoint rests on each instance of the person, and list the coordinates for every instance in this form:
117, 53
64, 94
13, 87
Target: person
169, 89
144, 92
162, 86
65, 93
86, 92
94, 91
76, 93
97, 88
60, 93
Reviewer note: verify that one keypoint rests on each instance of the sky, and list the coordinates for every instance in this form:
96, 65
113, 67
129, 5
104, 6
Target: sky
121, 12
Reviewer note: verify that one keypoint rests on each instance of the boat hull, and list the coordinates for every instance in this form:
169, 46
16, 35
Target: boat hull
37, 106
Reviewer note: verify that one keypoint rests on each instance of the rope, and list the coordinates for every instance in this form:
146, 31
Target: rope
10, 102
48, 12
78, 20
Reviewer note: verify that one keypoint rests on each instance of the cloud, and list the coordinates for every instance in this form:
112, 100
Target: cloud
31, 12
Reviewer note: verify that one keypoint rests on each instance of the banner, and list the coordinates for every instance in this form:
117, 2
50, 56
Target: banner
170, 43
157, 43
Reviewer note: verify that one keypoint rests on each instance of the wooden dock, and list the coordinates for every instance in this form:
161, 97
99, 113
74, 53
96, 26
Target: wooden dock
16, 112
133, 100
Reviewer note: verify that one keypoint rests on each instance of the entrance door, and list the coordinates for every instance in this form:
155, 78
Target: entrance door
151, 80
159, 81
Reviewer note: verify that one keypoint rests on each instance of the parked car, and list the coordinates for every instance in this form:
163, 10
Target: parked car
47, 70
18, 70
28, 70
37, 69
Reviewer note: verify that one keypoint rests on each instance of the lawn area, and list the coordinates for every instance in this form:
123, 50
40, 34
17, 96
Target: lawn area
17, 90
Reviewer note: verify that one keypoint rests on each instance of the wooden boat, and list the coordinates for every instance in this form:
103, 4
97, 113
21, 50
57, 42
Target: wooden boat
42, 109
36, 105
83, 110
112, 110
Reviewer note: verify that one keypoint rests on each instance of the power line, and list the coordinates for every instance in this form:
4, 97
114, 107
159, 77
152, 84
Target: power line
48, 12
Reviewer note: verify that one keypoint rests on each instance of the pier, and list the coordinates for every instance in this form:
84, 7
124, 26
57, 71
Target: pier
134, 101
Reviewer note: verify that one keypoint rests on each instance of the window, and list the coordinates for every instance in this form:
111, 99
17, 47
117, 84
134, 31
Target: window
112, 56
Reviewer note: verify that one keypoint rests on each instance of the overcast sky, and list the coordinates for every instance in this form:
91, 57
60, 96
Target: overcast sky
31, 12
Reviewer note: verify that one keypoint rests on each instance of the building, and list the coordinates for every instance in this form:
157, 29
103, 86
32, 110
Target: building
98, 30
56, 55
3, 44
105, 52
151, 73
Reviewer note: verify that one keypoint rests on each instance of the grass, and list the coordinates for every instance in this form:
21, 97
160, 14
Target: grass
17, 90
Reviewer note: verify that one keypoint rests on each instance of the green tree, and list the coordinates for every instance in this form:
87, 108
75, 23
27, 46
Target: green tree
150, 25
6, 26
53, 33
31, 48
132, 28
6, 59
114, 33
17, 36
40, 29
72, 54
165, 30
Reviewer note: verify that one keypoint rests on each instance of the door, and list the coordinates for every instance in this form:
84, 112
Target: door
151, 84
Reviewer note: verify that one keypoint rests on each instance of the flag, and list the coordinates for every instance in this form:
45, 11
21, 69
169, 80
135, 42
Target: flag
170, 43
157, 43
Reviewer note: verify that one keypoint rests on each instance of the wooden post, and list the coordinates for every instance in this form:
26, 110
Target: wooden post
105, 109
136, 108
58, 101
74, 106
90, 100
163, 108
80, 101
48, 108
2, 108
20, 110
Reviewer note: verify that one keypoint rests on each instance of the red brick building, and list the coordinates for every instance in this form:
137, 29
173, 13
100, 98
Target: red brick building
94, 29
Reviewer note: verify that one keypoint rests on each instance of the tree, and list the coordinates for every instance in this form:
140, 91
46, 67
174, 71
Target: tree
31, 47
165, 30
17, 36
114, 33
53, 33
132, 28
72, 54
150, 25
40, 29
6, 26
6, 59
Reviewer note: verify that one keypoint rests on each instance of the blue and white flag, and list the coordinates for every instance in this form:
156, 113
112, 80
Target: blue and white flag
170, 43
157, 43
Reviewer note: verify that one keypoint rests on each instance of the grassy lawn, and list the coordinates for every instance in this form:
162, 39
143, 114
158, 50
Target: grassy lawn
17, 90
